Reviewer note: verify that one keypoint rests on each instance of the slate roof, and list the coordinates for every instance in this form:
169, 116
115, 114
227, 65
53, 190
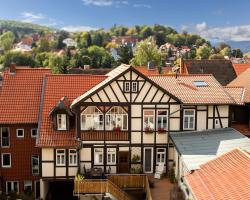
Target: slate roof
222, 70
21, 95
199, 147
56, 87
226, 177
183, 87
240, 68
243, 80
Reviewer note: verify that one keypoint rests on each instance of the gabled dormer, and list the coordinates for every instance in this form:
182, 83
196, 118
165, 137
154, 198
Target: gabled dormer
61, 115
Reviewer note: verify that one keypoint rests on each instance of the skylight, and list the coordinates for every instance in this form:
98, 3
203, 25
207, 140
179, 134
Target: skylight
200, 83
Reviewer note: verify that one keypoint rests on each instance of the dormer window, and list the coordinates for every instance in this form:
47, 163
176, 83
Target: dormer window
200, 84
61, 122
127, 87
133, 87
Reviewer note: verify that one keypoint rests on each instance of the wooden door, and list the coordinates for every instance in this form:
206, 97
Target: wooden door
123, 165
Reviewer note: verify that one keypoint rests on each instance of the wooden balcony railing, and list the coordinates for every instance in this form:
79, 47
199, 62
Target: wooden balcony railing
99, 187
104, 135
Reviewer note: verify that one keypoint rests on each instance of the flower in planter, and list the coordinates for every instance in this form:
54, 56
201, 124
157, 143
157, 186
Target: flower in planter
148, 129
91, 128
117, 129
161, 130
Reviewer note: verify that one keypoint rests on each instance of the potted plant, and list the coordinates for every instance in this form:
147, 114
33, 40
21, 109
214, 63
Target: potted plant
148, 130
161, 130
135, 159
117, 129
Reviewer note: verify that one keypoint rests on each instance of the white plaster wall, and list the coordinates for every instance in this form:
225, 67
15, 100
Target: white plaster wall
85, 154
162, 138
174, 124
150, 94
113, 169
44, 188
148, 138
60, 171
72, 171
136, 124
47, 169
201, 120
48, 154
136, 110
174, 110
136, 137
123, 148
223, 110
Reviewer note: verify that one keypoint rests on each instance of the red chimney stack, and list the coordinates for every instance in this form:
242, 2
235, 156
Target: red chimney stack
12, 68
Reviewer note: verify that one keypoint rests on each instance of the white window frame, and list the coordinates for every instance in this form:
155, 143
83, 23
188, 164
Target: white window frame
59, 121
115, 117
97, 153
27, 183
111, 152
31, 133
6, 166
161, 117
93, 119
12, 186
189, 119
61, 156
134, 86
147, 124
20, 129
2, 137
33, 167
126, 86
73, 160
162, 156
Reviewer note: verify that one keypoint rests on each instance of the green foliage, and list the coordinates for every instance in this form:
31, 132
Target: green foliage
18, 58
226, 51
146, 32
135, 159
237, 53
43, 45
125, 54
216, 56
7, 40
203, 52
42, 59
146, 51
58, 64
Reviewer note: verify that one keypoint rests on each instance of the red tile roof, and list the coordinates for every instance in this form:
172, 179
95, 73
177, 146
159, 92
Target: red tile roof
240, 68
237, 93
56, 87
152, 72
21, 95
183, 87
226, 177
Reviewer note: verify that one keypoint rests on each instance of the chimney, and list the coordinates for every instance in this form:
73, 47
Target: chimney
151, 65
12, 68
86, 67
181, 66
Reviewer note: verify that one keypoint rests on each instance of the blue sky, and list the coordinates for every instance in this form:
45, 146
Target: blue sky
213, 19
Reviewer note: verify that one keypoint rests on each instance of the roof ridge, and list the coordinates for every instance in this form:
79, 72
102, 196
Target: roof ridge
96, 75
189, 75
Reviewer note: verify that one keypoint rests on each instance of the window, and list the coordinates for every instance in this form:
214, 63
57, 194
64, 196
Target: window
28, 186
98, 154
111, 156
134, 86
127, 87
162, 120
200, 83
92, 118
35, 165
188, 119
5, 140
20, 133
160, 157
117, 117
60, 157
217, 123
72, 157
12, 186
61, 122
149, 119
6, 160
34, 132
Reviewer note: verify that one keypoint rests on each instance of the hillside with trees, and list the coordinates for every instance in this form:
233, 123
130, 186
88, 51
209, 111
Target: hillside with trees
39, 46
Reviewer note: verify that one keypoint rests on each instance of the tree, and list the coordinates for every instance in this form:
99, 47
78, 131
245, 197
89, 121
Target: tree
146, 51
97, 39
146, 32
216, 56
237, 53
58, 64
85, 40
18, 58
203, 52
43, 45
160, 38
125, 54
61, 36
42, 59
7, 40
226, 51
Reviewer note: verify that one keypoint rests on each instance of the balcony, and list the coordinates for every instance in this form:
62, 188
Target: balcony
104, 135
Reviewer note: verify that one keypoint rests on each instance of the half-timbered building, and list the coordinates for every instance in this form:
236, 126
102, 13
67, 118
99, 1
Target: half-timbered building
120, 121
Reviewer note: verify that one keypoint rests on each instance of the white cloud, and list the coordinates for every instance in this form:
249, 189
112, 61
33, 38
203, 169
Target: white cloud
201, 27
78, 28
142, 6
235, 33
31, 17
105, 2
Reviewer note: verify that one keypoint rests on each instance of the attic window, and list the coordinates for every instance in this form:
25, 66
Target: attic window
200, 83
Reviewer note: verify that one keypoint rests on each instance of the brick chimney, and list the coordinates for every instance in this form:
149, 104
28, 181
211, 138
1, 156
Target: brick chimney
12, 68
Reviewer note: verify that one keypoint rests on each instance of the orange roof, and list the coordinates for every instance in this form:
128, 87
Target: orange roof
226, 177
56, 87
237, 93
153, 72
243, 80
21, 95
239, 68
184, 88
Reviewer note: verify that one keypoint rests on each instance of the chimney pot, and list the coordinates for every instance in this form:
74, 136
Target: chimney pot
12, 68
